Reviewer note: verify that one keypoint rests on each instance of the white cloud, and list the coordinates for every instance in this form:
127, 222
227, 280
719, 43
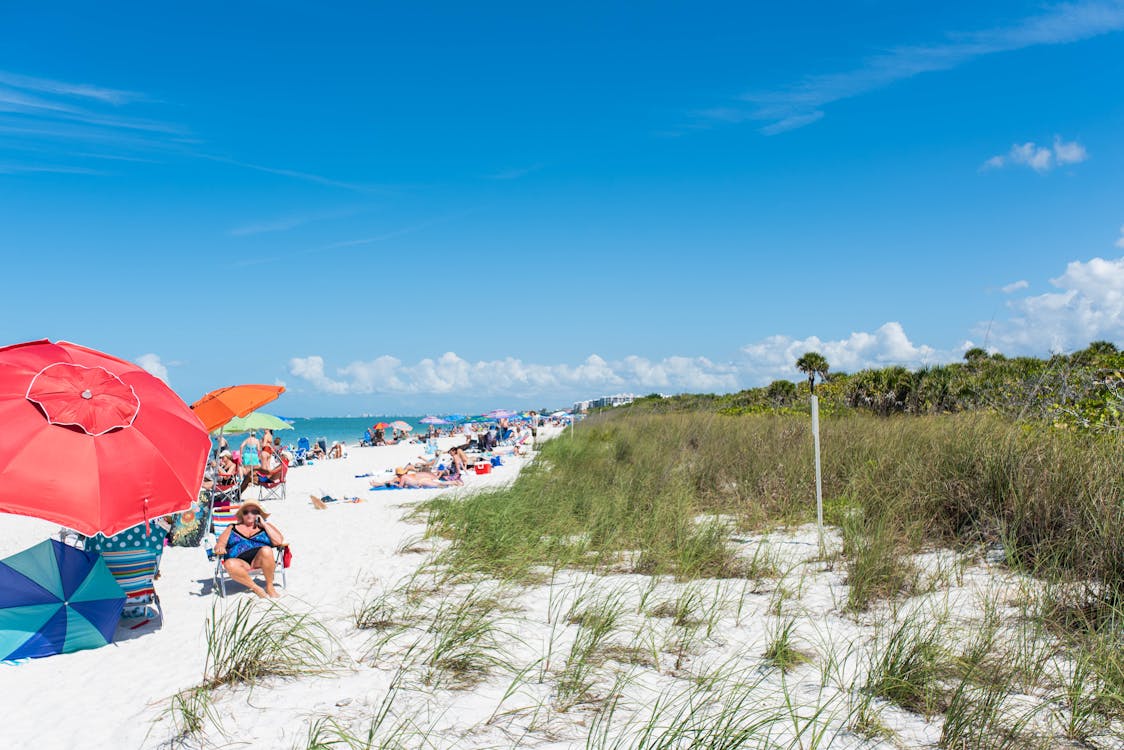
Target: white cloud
1069, 153
449, 373
1120, 241
152, 363
1039, 158
802, 103
775, 357
1088, 306
759, 363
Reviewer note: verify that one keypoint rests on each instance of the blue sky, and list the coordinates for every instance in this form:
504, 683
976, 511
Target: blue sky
435, 207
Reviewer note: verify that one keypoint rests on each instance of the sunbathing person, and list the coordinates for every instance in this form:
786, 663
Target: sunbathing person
247, 544
451, 475
407, 479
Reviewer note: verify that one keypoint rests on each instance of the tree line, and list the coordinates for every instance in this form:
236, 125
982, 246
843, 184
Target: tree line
1083, 390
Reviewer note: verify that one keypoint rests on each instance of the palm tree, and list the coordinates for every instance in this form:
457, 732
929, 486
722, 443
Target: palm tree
812, 364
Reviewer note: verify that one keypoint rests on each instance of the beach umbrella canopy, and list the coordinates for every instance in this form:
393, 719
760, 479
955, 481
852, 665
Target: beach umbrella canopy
380, 426
500, 414
454, 418
398, 424
220, 406
55, 599
259, 420
433, 420
560, 414
93, 442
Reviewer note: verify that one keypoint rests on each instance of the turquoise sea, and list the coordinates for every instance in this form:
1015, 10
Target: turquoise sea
348, 430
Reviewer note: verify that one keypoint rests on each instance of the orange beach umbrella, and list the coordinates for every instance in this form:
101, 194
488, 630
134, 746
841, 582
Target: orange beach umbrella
220, 406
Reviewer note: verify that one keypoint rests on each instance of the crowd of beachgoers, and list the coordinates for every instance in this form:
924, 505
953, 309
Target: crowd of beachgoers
321, 509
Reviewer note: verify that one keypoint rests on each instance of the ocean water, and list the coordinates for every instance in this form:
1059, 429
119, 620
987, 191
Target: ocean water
347, 430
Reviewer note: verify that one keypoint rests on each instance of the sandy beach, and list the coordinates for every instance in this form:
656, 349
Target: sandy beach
111, 697
688, 654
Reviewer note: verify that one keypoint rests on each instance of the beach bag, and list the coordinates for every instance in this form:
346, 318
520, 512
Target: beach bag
287, 557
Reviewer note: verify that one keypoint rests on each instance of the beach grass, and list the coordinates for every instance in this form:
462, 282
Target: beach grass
674, 497
657, 494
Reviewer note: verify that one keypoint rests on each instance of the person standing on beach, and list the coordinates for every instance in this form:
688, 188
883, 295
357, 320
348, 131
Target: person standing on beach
251, 458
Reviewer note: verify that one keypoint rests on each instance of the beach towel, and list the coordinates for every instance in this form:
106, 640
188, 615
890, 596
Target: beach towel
190, 525
390, 487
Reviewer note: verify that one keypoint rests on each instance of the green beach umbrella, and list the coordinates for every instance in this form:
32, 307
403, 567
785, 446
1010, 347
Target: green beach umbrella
259, 420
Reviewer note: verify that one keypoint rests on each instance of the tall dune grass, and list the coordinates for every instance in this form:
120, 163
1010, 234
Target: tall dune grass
648, 493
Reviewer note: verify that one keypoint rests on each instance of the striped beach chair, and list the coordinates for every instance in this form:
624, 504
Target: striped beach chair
133, 557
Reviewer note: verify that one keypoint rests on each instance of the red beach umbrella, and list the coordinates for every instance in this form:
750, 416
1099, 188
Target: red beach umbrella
220, 406
91, 441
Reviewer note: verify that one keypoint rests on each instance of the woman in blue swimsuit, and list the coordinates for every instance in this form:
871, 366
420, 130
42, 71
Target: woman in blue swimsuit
247, 544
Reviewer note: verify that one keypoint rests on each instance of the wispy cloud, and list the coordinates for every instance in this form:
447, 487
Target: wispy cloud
1120, 240
802, 103
296, 174
1015, 286
515, 174
286, 223
47, 169
392, 233
71, 123
63, 88
1041, 159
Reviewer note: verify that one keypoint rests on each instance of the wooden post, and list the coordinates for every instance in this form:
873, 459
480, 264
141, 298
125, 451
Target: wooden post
819, 480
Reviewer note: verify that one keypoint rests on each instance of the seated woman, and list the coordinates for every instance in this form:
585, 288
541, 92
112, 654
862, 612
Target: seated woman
271, 468
459, 458
247, 544
227, 475
336, 450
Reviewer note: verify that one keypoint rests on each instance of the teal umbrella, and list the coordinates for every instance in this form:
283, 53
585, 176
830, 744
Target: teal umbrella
55, 599
259, 420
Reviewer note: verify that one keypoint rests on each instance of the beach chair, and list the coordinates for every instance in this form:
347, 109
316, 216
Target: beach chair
220, 519
133, 557
227, 490
274, 489
303, 452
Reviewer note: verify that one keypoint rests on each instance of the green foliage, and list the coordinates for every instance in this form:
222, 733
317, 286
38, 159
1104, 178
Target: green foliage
1082, 391
655, 493
249, 642
812, 364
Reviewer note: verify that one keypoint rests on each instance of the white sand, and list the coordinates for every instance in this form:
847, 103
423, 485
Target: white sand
116, 696
109, 697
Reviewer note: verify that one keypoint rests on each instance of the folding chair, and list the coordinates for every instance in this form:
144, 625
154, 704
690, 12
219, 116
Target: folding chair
303, 452
274, 489
227, 490
220, 519
133, 557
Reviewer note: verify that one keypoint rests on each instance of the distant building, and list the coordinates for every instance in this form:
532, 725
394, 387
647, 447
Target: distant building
599, 403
